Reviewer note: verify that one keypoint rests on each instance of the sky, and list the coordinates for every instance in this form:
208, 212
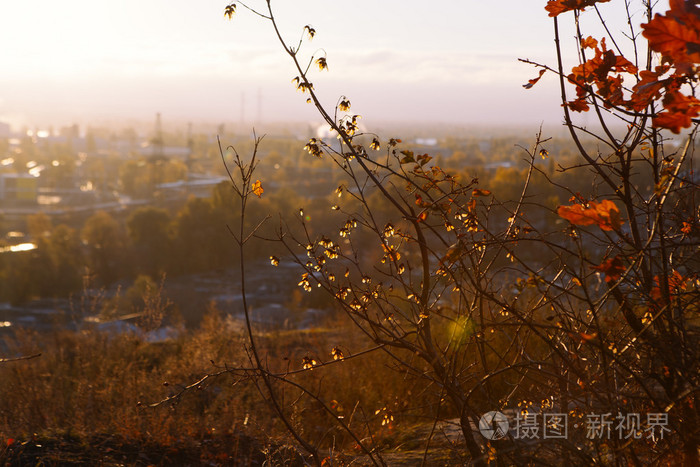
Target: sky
398, 61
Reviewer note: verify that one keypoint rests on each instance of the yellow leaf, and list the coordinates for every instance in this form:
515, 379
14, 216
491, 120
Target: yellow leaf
257, 188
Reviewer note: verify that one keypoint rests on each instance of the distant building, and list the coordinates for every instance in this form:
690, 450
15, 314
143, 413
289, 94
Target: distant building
426, 141
167, 152
499, 165
18, 188
70, 132
200, 186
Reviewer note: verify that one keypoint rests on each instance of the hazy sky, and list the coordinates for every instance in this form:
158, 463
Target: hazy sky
397, 60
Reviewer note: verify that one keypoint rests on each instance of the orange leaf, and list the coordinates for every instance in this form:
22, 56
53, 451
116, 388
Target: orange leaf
676, 35
676, 283
674, 121
648, 89
578, 105
582, 337
257, 188
556, 7
575, 214
604, 214
589, 43
687, 228
587, 337
679, 110
480, 192
608, 216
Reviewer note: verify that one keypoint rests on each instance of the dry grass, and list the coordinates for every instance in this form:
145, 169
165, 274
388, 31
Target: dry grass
92, 388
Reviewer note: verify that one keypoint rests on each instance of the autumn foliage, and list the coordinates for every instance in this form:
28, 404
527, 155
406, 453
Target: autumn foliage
604, 214
675, 36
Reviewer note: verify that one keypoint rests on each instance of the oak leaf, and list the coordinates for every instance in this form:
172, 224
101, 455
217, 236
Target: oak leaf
578, 105
556, 7
648, 89
589, 42
675, 35
576, 214
678, 113
605, 214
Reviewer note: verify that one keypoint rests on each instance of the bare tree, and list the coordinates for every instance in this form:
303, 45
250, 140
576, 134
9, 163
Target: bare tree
591, 323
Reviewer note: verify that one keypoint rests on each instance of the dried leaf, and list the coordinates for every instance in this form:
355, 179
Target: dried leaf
675, 35
230, 10
480, 192
556, 7
613, 268
531, 82
605, 215
257, 188
589, 43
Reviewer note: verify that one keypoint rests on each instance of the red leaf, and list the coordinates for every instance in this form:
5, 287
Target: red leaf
672, 120
531, 82
676, 283
611, 90
556, 7
612, 268
596, 69
677, 34
648, 89
578, 105
678, 113
589, 43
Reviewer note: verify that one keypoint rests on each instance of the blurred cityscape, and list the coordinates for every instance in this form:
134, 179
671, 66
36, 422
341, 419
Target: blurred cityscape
69, 197
105, 211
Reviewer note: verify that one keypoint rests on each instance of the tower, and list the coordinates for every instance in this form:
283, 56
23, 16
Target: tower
258, 116
242, 110
157, 141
